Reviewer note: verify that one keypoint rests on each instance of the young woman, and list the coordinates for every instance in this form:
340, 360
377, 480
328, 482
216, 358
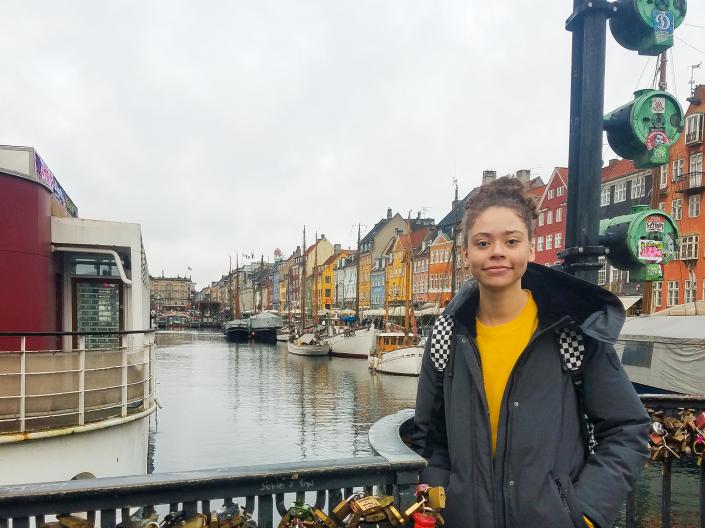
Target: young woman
499, 415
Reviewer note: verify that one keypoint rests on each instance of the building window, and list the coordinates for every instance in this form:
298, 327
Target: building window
602, 273
676, 209
559, 236
678, 169
639, 186
694, 125
615, 275
549, 242
539, 244
559, 214
541, 218
673, 287
689, 247
549, 217
620, 192
689, 291
696, 170
662, 206
560, 191
550, 194
663, 178
605, 195
694, 205
657, 291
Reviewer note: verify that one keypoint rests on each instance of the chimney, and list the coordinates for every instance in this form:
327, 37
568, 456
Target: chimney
336, 248
389, 213
613, 162
524, 175
418, 215
488, 176
323, 237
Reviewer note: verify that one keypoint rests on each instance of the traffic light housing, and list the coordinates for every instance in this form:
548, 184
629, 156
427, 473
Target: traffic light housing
644, 129
641, 242
647, 26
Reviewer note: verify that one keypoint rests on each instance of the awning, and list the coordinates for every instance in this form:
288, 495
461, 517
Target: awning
630, 300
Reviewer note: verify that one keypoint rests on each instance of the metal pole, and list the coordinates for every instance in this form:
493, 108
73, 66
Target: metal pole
588, 25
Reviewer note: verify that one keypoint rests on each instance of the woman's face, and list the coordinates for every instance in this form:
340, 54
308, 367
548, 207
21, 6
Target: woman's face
498, 248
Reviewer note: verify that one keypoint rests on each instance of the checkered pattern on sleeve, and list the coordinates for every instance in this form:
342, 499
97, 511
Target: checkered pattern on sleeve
572, 348
440, 341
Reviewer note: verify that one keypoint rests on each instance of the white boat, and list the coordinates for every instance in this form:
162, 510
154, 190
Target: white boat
309, 345
664, 352
389, 356
353, 343
283, 337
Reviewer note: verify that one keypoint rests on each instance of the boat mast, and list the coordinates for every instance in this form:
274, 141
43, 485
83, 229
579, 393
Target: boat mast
407, 284
230, 284
302, 285
237, 288
357, 281
314, 286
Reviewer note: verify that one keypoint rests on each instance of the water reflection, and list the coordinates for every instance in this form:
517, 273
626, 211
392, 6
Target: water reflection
227, 404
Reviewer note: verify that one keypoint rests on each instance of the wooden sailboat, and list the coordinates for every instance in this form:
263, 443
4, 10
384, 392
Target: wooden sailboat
356, 342
236, 329
264, 325
395, 351
308, 342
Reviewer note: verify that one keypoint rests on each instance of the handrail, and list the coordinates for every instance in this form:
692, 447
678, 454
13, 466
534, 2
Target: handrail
62, 334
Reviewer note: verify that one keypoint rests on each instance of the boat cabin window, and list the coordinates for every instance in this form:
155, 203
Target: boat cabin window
638, 353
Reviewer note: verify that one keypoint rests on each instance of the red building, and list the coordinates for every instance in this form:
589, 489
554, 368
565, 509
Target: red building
550, 228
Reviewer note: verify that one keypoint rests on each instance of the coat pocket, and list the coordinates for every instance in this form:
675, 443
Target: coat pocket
565, 489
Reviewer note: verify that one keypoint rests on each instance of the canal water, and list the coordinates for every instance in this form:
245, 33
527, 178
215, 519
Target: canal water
229, 404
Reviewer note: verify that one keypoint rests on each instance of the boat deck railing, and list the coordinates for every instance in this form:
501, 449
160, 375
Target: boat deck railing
95, 377
266, 490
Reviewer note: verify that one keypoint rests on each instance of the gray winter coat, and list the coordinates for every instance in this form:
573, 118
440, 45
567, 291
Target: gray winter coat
541, 475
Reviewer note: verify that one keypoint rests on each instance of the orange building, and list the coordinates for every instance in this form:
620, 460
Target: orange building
440, 270
682, 180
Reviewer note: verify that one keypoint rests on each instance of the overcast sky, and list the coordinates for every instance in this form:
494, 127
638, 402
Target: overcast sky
224, 126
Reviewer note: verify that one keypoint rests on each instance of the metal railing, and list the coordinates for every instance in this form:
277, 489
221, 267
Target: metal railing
41, 390
265, 488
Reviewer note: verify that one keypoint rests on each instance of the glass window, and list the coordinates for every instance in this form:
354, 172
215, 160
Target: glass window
559, 214
549, 241
696, 170
95, 266
539, 244
639, 186
560, 190
549, 217
620, 192
657, 291
673, 287
605, 195
694, 205
541, 218
663, 176
689, 291
694, 128
676, 209
602, 273
678, 169
558, 240
689, 246
615, 275
550, 194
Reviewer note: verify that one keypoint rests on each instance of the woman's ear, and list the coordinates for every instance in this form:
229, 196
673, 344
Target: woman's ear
532, 251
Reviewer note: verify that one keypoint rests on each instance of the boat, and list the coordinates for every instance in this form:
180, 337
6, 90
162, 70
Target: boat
394, 357
264, 326
237, 329
309, 345
353, 342
664, 353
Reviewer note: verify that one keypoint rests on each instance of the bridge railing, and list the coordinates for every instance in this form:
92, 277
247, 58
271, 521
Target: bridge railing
96, 376
264, 490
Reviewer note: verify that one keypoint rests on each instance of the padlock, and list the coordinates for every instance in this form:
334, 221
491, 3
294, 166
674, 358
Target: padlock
699, 421
72, 521
374, 518
323, 518
139, 520
436, 498
365, 505
409, 512
422, 520
342, 510
393, 516
354, 520
229, 516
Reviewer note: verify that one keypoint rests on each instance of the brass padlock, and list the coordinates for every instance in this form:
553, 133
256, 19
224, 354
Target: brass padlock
393, 516
436, 498
409, 512
342, 510
322, 517
365, 505
72, 521
354, 521
374, 518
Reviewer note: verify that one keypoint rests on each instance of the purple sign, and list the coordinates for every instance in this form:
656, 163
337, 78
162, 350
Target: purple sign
44, 173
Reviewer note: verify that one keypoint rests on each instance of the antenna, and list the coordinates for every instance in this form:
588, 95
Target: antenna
692, 77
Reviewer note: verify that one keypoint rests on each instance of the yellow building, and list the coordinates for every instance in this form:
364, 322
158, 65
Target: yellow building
325, 276
396, 271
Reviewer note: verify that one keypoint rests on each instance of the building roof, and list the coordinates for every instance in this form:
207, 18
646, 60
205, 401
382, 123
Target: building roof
616, 169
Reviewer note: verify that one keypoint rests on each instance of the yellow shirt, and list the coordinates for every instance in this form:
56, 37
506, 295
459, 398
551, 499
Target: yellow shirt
500, 346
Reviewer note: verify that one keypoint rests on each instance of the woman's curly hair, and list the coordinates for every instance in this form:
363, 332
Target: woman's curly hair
503, 192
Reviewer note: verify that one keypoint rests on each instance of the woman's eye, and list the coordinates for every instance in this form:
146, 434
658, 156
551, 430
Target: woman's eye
482, 243
512, 242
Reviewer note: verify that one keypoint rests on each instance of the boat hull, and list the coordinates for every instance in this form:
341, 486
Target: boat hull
308, 350
400, 362
267, 335
237, 334
283, 337
354, 345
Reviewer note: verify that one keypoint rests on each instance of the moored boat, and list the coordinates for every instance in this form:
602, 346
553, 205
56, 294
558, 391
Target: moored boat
353, 343
393, 353
309, 345
237, 330
264, 326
